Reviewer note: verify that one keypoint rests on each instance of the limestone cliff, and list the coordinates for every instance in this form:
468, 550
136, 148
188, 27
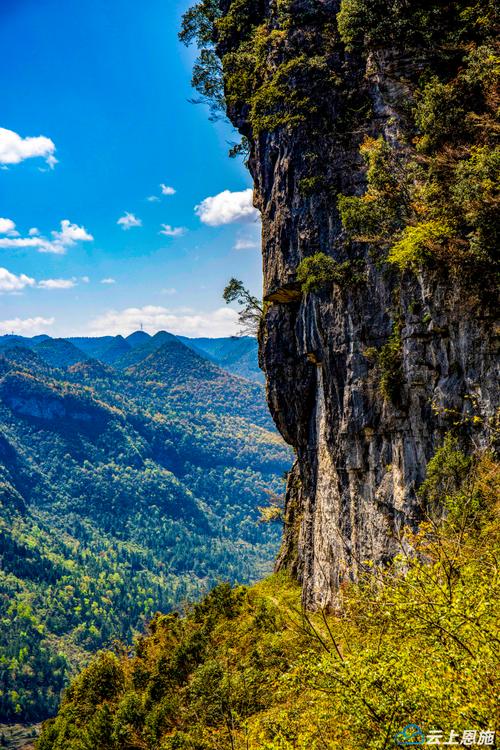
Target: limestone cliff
360, 454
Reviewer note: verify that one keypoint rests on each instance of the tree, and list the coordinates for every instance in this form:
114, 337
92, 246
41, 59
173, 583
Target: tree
251, 313
198, 25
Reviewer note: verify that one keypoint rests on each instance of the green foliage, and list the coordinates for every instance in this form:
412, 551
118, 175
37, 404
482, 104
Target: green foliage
438, 198
312, 185
198, 22
361, 217
240, 149
390, 364
249, 64
458, 123
267, 76
278, 102
476, 191
376, 215
198, 25
121, 492
320, 270
248, 669
205, 24
446, 472
382, 24
460, 487
238, 22
207, 79
277, 96
316, 271
439, 114
417, 243
251, 311
274, 510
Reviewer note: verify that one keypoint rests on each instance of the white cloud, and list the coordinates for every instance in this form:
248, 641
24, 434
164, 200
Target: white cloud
245, 243
7, 226
128, 221
26, 326
71, 233
167, 190
33, 231
170, 231
85, 279
14, 149
9, 282
221, 322
108, 280
170, 291
61, 240
164, 190
227, 207
21, 242
57, 284
12, 283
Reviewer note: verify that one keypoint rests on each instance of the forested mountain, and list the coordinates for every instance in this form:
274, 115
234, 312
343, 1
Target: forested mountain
125, 489
370, 129
238, 354
249, 669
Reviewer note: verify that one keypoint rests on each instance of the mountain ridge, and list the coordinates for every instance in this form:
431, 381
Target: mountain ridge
138, 486
237, 355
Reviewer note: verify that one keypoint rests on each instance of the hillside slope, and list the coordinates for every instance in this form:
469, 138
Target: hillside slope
122, 492
248, 669
237, 354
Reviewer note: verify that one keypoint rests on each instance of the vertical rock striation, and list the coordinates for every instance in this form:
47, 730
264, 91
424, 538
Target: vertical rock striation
360, 457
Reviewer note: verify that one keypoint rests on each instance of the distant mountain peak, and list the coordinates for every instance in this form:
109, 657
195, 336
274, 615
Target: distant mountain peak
164, 336
59, 352
137, 338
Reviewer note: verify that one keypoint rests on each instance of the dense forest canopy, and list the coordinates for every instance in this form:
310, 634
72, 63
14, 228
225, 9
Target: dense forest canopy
248, 668
124, 489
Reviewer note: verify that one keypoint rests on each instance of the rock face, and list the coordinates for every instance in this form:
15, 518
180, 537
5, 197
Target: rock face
30, 397
360, 457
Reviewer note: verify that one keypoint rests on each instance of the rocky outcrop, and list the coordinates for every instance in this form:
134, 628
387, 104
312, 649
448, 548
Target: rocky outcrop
360, 459
30, 397
360, 456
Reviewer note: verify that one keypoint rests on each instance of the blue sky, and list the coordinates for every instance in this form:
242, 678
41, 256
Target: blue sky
95, 118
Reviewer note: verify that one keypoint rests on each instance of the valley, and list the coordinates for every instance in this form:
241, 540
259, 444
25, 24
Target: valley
131, 475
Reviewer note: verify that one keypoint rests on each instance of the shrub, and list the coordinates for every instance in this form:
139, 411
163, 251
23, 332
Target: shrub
250, 65
439, 115
364, 218
416, 244
374, 216
316, 272
319, 271
377, 23
281, 100
476, 192
390, 363
312, 185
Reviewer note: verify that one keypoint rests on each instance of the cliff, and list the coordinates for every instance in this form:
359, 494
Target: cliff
369, 128
368, 132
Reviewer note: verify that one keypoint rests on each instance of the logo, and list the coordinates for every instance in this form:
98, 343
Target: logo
410, 735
